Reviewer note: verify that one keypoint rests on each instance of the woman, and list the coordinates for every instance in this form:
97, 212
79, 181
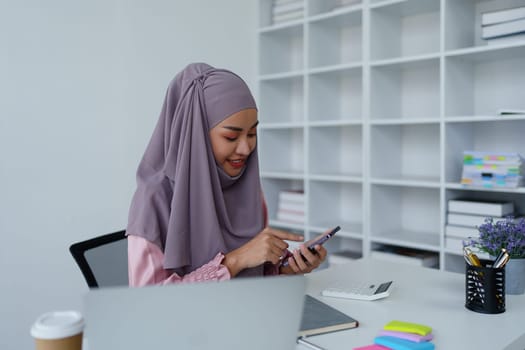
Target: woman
198, 212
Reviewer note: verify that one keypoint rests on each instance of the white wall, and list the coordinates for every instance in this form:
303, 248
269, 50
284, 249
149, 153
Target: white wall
81, 86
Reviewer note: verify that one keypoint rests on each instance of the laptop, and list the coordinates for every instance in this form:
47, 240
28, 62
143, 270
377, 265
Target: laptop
246, 313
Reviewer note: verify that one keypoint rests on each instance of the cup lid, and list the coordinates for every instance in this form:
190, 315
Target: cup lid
57, 324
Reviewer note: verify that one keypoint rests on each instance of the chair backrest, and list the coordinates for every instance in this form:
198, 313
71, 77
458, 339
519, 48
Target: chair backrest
103, 260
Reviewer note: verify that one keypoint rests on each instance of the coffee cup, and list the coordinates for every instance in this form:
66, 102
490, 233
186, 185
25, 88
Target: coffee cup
58, 330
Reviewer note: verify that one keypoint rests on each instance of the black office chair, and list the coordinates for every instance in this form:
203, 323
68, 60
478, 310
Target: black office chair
103, 260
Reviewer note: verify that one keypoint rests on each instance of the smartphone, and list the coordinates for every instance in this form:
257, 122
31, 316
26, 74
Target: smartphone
320, 241
323, 239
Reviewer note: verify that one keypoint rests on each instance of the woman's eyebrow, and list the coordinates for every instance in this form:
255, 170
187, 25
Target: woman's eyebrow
236, 128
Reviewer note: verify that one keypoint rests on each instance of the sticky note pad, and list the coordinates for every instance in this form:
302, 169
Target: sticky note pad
402, 344
372, 347
402, 326
408, 336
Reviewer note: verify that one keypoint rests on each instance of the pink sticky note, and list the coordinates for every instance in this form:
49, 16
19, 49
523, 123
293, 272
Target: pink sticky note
372, 347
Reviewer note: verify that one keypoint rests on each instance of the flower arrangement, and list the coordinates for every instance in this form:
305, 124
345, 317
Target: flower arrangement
508, 234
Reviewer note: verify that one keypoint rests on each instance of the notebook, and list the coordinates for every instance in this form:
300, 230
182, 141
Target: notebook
247, 313
319, 317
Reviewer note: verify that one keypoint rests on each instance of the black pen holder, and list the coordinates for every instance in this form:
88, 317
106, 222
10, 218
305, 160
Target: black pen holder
485, 288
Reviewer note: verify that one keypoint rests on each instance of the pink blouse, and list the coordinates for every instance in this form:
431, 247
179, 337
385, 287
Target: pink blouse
145, 266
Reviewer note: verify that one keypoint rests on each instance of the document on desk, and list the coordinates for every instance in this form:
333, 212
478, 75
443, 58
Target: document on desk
319, 318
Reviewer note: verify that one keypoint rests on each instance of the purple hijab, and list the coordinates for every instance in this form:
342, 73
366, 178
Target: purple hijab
184, 202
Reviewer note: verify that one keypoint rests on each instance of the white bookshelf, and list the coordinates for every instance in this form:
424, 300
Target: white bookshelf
368, 109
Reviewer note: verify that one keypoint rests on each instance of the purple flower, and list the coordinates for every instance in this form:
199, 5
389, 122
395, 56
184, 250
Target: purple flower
508, 234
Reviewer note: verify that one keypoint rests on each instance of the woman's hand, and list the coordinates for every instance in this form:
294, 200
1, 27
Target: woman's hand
268, 246
311, 261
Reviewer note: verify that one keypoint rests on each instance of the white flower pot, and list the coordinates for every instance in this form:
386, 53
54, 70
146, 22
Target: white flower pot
515, 276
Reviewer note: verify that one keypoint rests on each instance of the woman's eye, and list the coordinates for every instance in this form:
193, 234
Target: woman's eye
252, 135
231, 139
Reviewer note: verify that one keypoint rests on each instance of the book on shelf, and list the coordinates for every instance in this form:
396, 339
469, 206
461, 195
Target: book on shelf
319, 317
295, 196
285, 17
511, 111
469, 220
462, 232
278, 9
406, 256
282, 2
509, 39
292, 218
503, 29
480, 207
503, 15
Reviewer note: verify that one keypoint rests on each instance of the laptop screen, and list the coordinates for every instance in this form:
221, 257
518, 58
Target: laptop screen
252, 313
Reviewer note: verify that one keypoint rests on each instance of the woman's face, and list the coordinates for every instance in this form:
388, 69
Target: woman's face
234, 139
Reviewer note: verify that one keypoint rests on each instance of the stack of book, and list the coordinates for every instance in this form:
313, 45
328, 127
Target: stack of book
505, 24
287, 10
465, 216
492, 169
291, 206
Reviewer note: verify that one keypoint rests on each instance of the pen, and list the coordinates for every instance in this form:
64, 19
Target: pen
501, 259
472, 258
309, 345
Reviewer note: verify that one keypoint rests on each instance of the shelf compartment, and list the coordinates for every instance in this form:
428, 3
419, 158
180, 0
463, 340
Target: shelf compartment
405, 216
334, 204
272, 188
407, 28
405, 151
463, 21
487, 136
405, 91
455, 263
336, 151
491, 196
281, 150
281, 100
281, 50
336, 40
336, 95
480, 83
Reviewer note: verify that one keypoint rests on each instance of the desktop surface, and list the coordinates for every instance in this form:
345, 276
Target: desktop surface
421, 295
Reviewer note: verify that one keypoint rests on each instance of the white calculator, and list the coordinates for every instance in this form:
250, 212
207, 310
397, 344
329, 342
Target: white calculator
360, 291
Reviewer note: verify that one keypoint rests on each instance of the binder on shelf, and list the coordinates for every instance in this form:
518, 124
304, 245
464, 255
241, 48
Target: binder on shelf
504, 15
481, 208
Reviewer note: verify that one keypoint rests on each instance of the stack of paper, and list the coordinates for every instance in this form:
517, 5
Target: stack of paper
503, 24
287, 10
291, 207
492, 169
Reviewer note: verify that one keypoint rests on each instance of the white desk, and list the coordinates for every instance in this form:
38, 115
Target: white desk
422, 295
